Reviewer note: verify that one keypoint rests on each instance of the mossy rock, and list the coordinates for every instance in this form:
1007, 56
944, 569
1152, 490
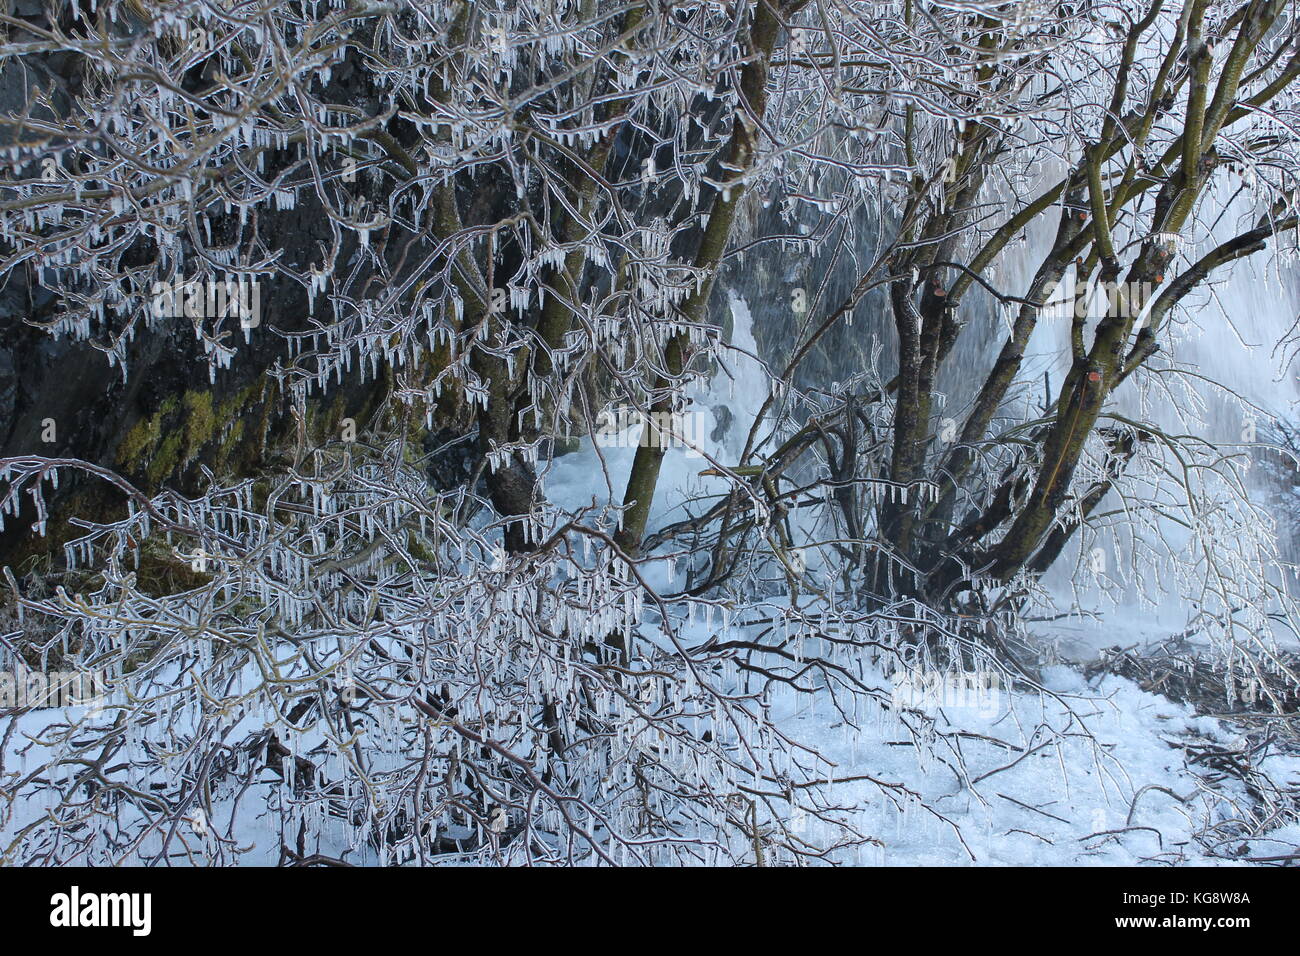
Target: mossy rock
194, 427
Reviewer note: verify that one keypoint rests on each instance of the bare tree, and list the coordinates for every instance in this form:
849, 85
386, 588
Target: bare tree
522, 215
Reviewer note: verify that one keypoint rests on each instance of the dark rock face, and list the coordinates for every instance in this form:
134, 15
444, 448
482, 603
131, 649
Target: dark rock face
61, 398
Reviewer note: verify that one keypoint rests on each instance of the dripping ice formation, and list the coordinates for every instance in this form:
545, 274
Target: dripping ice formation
1237, 373
726, 405
1226, 337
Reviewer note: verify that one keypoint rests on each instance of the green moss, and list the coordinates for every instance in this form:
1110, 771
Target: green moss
200, 424
138, 442
230, 443
137, 447
162, 445
230, 436
565, 446
160, 570
419, 550
164, 460
328, 424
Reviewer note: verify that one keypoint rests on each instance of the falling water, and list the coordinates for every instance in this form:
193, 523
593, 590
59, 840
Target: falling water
1227, 336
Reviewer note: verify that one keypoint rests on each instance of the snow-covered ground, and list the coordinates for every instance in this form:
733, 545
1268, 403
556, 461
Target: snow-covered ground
1052, 772
952, 773
1086, 774
1051, 776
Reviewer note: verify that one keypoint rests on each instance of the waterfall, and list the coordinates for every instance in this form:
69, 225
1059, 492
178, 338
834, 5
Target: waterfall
1225, 335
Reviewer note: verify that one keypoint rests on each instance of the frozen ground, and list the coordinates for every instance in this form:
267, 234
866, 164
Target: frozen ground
1084, 775
1081, 773
1094, 776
